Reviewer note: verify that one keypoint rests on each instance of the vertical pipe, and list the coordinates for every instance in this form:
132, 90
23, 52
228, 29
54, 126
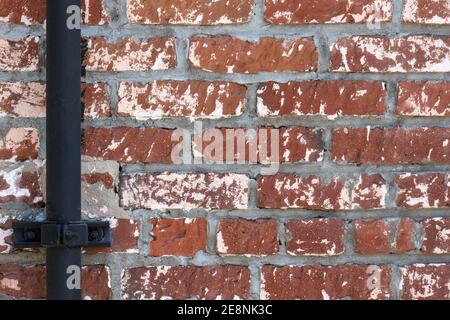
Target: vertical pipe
63, 142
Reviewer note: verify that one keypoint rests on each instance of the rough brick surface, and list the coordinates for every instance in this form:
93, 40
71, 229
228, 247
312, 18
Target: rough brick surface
245, 237
189, 12
29, 282
425, 282
21, 55
20, 144
163, 282
6, 234
358, 282
429, 190
265, 145
22, 99
404, 240
372, 236
225, 54
315, 237
391, 146
327, 11
130, 55
369, 192
177, 237
426, 11
184, 191
21, 184
326, 98
129, 145
285, 191
423, 99
381, 54
95, 101
197, 99
437, 236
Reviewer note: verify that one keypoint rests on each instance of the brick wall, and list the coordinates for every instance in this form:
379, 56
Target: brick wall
359, 206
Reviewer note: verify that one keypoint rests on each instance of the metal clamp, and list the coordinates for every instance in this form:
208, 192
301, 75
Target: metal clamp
71, 235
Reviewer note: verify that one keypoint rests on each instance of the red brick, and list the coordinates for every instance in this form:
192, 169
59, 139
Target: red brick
286, 191
129, 145
331, 98
129, 55
180, 283
225, 54
437, 236
105, 178
21, 184
426, 11
177, 237
315, 237
124, 237
184, 191
358, 282
191, 98
20, 144
6, 234
296, 144
370, 192
391, 145
95, 100
190, 12
32, 12
245, 237
404, 240
22, 99
418, 53
21, 55
372, 236
327, 11
423, 99
429, 190
425, 282
19, 281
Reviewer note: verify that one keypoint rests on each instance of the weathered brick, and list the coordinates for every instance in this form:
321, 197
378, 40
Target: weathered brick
95, 100
425, 282
22, 99
19, 281
21, 55
124, 237
170, 98
32, 12
358, 282
391, 145
129, 145
266, 145
372, 236
225, 54
423, 99
327, 11
418, 53
189, 12
426, 11
164, 282
20, 144
245, 237
330, 98
315, 237
177, 237
370, 192
21, 184
105, 178
184, 191
286, 191
404, 239
6, 234
129, 55
429, 190
437, 236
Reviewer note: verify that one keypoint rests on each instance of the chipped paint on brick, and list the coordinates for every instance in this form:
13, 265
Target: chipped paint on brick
21, 55
427, 11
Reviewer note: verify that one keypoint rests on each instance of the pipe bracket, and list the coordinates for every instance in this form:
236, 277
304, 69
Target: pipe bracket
50, 234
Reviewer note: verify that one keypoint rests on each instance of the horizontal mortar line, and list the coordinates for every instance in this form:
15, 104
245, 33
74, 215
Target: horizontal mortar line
283, 77
300, 169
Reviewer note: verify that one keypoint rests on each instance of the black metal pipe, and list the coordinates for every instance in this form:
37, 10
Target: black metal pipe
63, 135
